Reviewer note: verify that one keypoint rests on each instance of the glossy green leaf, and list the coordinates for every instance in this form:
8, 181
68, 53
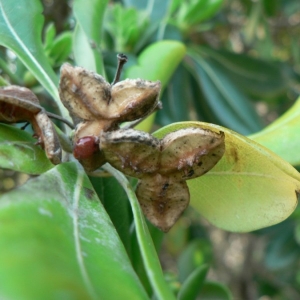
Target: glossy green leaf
61, 48
115, 202
146, 246
125, 26
214, 291
175, 99
157, 62
257, 77
87, 38
49, 36
21, 23
211, 9
203, 10
224, 98
282, 136
249, 188
192, 285
18, 151
57, 242
193, 10
137, 258
157, 238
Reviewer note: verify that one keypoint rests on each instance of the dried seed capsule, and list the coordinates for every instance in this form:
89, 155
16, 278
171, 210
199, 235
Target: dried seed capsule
48, 137
88, 96
131, 151
163, 166
133, 99
190, 152
84, 93
162, 200
19, 104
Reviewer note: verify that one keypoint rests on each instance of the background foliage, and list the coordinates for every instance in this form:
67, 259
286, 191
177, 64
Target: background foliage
240, 70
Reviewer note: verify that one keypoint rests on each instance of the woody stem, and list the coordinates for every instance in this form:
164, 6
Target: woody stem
57, 117
122, 59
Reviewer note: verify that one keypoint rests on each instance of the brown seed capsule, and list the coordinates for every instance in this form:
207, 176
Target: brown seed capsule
133, 152
48, 137
84, 93
162, 200
19, 104
133, 99
88, 96
191, 152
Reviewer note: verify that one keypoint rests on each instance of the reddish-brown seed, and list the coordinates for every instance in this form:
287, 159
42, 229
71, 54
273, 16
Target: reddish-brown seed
85, 147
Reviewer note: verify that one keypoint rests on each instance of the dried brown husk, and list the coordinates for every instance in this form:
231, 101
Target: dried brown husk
19, 104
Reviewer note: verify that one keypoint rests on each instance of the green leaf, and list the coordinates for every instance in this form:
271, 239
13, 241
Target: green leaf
147, 249
157, 237
126, 26
18, 152
282, 136
115, 202
157, 62
196, 254
175, 99
228, 103
192, 285
155, 9
89, 16
214, 291
55, 230
49, 36
21, 23
201, 10
282, 251
257, 77
61, 48
249, 188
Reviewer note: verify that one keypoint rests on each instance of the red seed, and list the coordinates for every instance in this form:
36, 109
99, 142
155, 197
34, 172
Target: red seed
85, 147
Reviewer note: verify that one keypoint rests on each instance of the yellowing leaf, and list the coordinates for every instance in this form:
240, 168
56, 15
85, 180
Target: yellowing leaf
249, 188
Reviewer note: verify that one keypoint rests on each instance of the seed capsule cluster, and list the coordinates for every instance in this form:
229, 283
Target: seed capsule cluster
97, 108
163, 166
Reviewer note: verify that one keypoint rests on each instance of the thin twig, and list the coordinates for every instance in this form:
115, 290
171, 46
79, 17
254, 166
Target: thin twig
122, 59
